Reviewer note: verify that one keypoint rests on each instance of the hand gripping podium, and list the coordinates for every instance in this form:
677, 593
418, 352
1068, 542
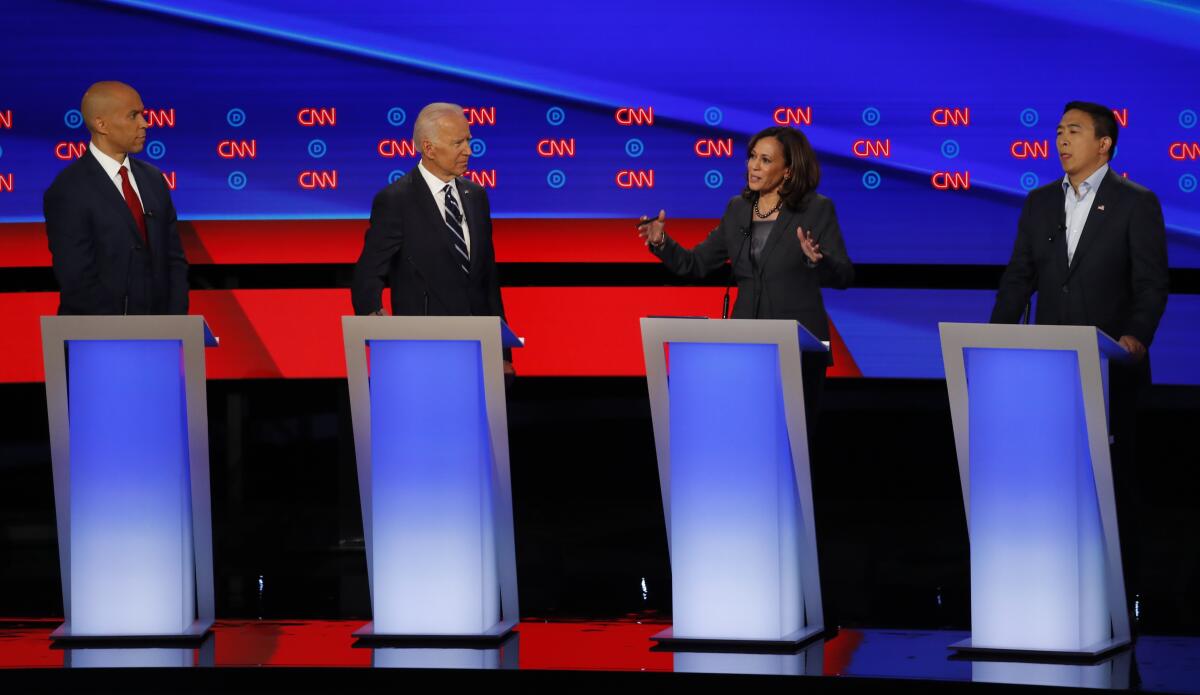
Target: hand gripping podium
1029, 407
431, 439
129, 442
733, 465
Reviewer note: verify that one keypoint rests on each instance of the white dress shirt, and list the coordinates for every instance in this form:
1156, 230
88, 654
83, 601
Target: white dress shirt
1078, 206
113, 168
435, 186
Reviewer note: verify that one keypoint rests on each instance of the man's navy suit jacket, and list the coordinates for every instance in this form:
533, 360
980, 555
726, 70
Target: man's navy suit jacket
1117, 279
101, 263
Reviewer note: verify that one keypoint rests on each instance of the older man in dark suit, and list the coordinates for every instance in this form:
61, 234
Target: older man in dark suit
430, 236
1093, 246
110, 220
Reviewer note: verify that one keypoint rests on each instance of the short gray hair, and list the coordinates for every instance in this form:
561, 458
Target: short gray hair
423, 127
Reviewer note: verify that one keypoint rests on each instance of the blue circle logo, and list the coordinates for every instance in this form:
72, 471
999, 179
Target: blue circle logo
396, 116
237, 180
713, 178
236, 118
871, 180
713, 116
1187, 118
555, 115
557, 178
478, 147
1029, 181
1188, 183
1029, 118
317, 148
634, 147
73, 119
155, 149
395, 175
950, 149
871, 115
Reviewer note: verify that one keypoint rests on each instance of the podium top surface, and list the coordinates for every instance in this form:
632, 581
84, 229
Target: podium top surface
164, 327
695, 330
1030, 337
364, 328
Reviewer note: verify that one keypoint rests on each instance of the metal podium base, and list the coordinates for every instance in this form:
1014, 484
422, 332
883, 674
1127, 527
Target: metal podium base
195, 633
1094, 652
668, 641
497, 633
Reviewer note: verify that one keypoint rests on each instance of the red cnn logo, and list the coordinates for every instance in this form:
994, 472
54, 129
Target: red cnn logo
486, 178
951, 180
237, 149
6, 119
70, 150
556, 148
310, 117
1180, 151
169, 177
943, 116
160, 118
800, 115
480, 116
628, 178
6, 185
872, 148
628, 115
1122, 116
396, 148
707, 147
1030, 149
310, 180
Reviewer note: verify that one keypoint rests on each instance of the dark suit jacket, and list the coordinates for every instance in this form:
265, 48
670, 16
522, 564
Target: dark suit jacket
1117, 279
783, 285
99, 259
408, 245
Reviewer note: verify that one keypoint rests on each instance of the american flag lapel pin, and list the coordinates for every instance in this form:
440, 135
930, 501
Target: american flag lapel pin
1100, 208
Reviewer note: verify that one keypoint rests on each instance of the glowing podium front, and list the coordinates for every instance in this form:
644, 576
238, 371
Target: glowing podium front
128, 421
431, 440
727, 401
1029, 408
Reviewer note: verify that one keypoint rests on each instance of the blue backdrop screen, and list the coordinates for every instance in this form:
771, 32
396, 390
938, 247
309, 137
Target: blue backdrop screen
931, 119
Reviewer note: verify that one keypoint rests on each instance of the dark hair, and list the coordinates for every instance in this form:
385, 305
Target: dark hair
800, 159
1103, 121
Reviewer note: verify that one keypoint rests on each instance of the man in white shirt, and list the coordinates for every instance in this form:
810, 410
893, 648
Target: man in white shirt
1093, 246
110, 221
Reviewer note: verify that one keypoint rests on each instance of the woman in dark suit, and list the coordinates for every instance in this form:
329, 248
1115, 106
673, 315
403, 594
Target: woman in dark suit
783, 240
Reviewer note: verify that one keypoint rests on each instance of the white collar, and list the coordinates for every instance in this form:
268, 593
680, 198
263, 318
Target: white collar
435, 184
111, 166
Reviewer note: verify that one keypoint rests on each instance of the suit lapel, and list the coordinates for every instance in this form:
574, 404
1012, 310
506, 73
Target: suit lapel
783, 223
1097, 216
108, 192
149, 201
1060, 238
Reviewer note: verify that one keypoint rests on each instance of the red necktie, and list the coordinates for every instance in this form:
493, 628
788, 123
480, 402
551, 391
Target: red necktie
135, 205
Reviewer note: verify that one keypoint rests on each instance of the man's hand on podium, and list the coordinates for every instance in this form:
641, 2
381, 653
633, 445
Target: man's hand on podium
1134, 347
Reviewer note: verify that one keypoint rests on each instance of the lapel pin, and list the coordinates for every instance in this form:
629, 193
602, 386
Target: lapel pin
1100, 208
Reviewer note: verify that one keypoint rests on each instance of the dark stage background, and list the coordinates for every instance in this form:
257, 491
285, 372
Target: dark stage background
890, 523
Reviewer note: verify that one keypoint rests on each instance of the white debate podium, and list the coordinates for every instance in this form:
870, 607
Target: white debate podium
727, 402
128, 422
431, 441
1029, 406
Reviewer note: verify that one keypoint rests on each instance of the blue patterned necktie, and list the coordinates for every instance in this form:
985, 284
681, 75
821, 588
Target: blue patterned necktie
454, 222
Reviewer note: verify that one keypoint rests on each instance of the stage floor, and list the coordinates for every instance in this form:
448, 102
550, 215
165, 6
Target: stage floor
1156, 664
